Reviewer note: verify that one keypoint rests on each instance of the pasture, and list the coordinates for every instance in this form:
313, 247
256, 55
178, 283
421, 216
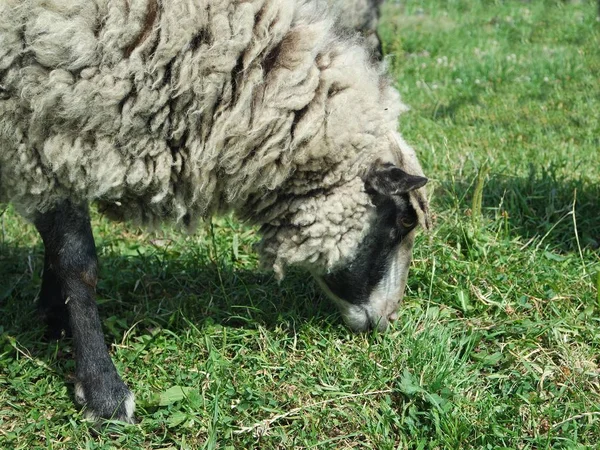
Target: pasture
498, 339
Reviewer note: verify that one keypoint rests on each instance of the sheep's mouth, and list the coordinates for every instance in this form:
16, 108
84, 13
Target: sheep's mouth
369, 290
360, 316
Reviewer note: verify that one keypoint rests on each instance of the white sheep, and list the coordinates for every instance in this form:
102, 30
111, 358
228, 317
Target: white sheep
174, 111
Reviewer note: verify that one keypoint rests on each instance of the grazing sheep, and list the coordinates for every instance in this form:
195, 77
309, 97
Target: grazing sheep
361, 16
174, 111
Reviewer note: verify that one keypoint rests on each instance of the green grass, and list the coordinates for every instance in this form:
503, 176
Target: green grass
498, 341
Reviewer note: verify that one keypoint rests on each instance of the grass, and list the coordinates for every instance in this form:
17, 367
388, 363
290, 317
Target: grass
498, 341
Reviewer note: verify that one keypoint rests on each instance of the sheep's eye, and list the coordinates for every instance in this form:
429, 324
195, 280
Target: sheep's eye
406, 223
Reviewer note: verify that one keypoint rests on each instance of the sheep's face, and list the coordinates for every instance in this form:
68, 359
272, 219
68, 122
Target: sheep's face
369, 287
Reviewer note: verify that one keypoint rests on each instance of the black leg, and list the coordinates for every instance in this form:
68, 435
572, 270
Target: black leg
52, 305
68, 289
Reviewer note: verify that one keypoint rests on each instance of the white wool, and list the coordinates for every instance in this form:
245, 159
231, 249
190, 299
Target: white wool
177, 110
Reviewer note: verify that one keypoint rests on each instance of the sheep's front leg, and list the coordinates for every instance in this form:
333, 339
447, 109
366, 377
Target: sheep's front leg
68, 288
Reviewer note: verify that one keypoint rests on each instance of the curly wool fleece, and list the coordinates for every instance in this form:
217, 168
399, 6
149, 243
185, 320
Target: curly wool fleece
177, 110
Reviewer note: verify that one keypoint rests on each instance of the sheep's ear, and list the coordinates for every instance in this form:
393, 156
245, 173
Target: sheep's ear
390, 180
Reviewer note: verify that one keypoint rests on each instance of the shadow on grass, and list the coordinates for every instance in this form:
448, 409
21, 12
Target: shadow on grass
537, 206
163, 290
449, 110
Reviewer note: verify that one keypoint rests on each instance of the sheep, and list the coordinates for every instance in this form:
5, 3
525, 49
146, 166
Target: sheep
361, 16
177, 111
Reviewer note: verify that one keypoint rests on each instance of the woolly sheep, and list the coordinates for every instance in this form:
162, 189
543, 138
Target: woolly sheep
360, 16
174, 111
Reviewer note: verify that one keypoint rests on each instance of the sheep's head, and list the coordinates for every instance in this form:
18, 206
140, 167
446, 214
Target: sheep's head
356, 239
368, 286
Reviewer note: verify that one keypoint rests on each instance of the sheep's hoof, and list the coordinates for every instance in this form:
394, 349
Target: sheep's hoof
106, 399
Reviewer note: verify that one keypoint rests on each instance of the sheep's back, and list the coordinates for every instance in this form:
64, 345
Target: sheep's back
167, 110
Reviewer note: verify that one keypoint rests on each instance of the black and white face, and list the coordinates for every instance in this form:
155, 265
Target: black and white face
369, 288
